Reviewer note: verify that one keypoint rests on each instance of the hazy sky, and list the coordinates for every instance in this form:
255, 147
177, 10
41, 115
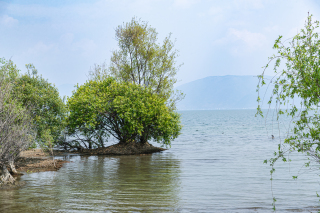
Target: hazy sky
63, 39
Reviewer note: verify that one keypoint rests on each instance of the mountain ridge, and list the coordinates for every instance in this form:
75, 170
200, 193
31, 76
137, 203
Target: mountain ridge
222, 92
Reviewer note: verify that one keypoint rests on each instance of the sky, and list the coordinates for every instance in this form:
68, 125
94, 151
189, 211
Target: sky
65, 38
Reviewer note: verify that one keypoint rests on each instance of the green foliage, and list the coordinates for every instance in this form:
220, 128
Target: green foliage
129, 112
16, 128
8, 70
141, 60
47, 107
139, 99
298, 76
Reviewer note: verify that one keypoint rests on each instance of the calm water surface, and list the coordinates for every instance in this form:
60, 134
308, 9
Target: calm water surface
216, 165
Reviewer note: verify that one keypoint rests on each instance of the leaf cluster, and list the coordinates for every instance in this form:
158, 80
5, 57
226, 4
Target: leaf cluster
48, 109
143, 61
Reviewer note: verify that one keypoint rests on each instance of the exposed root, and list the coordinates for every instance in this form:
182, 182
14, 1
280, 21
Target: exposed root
124, 149
6, 178
12, 169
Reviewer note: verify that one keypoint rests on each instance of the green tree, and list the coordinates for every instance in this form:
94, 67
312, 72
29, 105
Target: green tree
48, 109
16, 128
298, 77
8, 70
129, 112
143, 61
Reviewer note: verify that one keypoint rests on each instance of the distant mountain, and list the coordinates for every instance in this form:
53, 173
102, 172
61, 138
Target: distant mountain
221, 92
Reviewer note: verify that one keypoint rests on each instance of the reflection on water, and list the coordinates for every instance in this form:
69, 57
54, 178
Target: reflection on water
215, 165
124, 183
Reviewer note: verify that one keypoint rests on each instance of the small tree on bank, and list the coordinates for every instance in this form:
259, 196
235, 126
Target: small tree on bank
48, 109
46, 114
128, 112
300, 78
16, 132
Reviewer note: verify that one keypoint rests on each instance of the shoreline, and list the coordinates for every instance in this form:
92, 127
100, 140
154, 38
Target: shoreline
32, 161
36, 160
124, 149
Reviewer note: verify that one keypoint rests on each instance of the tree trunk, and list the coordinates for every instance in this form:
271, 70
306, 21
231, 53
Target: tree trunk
12, 168
6, 177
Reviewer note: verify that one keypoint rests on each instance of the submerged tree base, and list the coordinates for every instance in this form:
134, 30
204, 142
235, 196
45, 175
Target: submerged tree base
30, 161
14, 185
124, 149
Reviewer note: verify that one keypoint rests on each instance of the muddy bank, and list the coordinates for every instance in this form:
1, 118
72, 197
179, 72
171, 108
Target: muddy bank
36, 160
30, 161
124, 149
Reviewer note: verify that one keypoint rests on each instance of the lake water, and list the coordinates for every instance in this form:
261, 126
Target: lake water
216, 165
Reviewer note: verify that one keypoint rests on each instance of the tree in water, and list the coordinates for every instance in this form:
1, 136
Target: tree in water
127, 111
140, 64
